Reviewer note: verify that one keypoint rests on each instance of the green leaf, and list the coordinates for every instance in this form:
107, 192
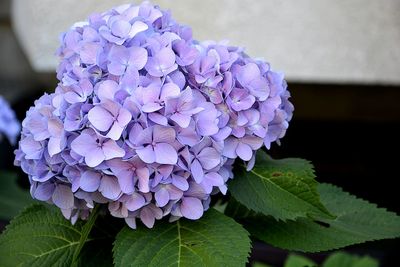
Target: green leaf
285, 189
357, 221
343, 259
41, 236
13, 199
299, 261
213, 240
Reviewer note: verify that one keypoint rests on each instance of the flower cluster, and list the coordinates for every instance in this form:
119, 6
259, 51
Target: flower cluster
9, 125
146, 119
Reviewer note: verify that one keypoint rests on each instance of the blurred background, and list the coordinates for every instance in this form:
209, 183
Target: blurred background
341, 60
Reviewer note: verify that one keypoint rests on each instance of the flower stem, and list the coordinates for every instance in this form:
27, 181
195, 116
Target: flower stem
85, 233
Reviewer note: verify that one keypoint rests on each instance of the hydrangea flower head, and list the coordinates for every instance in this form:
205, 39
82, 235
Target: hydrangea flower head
9, 125
147, 120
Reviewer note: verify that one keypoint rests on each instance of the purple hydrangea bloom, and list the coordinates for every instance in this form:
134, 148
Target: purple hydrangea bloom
9, 125
147, 120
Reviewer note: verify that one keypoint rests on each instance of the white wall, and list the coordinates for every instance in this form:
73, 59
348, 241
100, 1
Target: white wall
342, 41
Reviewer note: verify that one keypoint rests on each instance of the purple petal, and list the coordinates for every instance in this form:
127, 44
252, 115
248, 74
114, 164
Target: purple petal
209, 158
107, 90
162, 197
83, 144
112, 150
192, 208
163, 134
44, 191
147, 217
230, 148
100, 118
31, 148
146, 154
90, 181
180, 182
138, 57
63, 197
143, 183
115, 131
151, 107
244, 151
135, 202
165, 154
197, 171
94, 157
109, 187
181, 119
253, 141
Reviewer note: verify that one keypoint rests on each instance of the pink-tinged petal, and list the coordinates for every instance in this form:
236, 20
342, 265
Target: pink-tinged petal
90, 181
63, 197
100, 118
253, 141
109, 187
209, 158
151, 107
169, 90
165, 154
143, 173
112, 150
244, 151
146, 154
163, 134
181, 119
115, 131
135, 202
94, 157
192, 208
83, 144
180, 182
162, 197
197, 171
125, 180
55, 127
230, 148
118, 165
144, 183
107, 90
147, 217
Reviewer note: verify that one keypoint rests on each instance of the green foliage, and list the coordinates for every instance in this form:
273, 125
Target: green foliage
41, 236
213, 240
343, 259
299, 261
13, 199
285, 189
357, 221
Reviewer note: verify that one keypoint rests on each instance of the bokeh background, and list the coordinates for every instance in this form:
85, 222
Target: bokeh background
341, 59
